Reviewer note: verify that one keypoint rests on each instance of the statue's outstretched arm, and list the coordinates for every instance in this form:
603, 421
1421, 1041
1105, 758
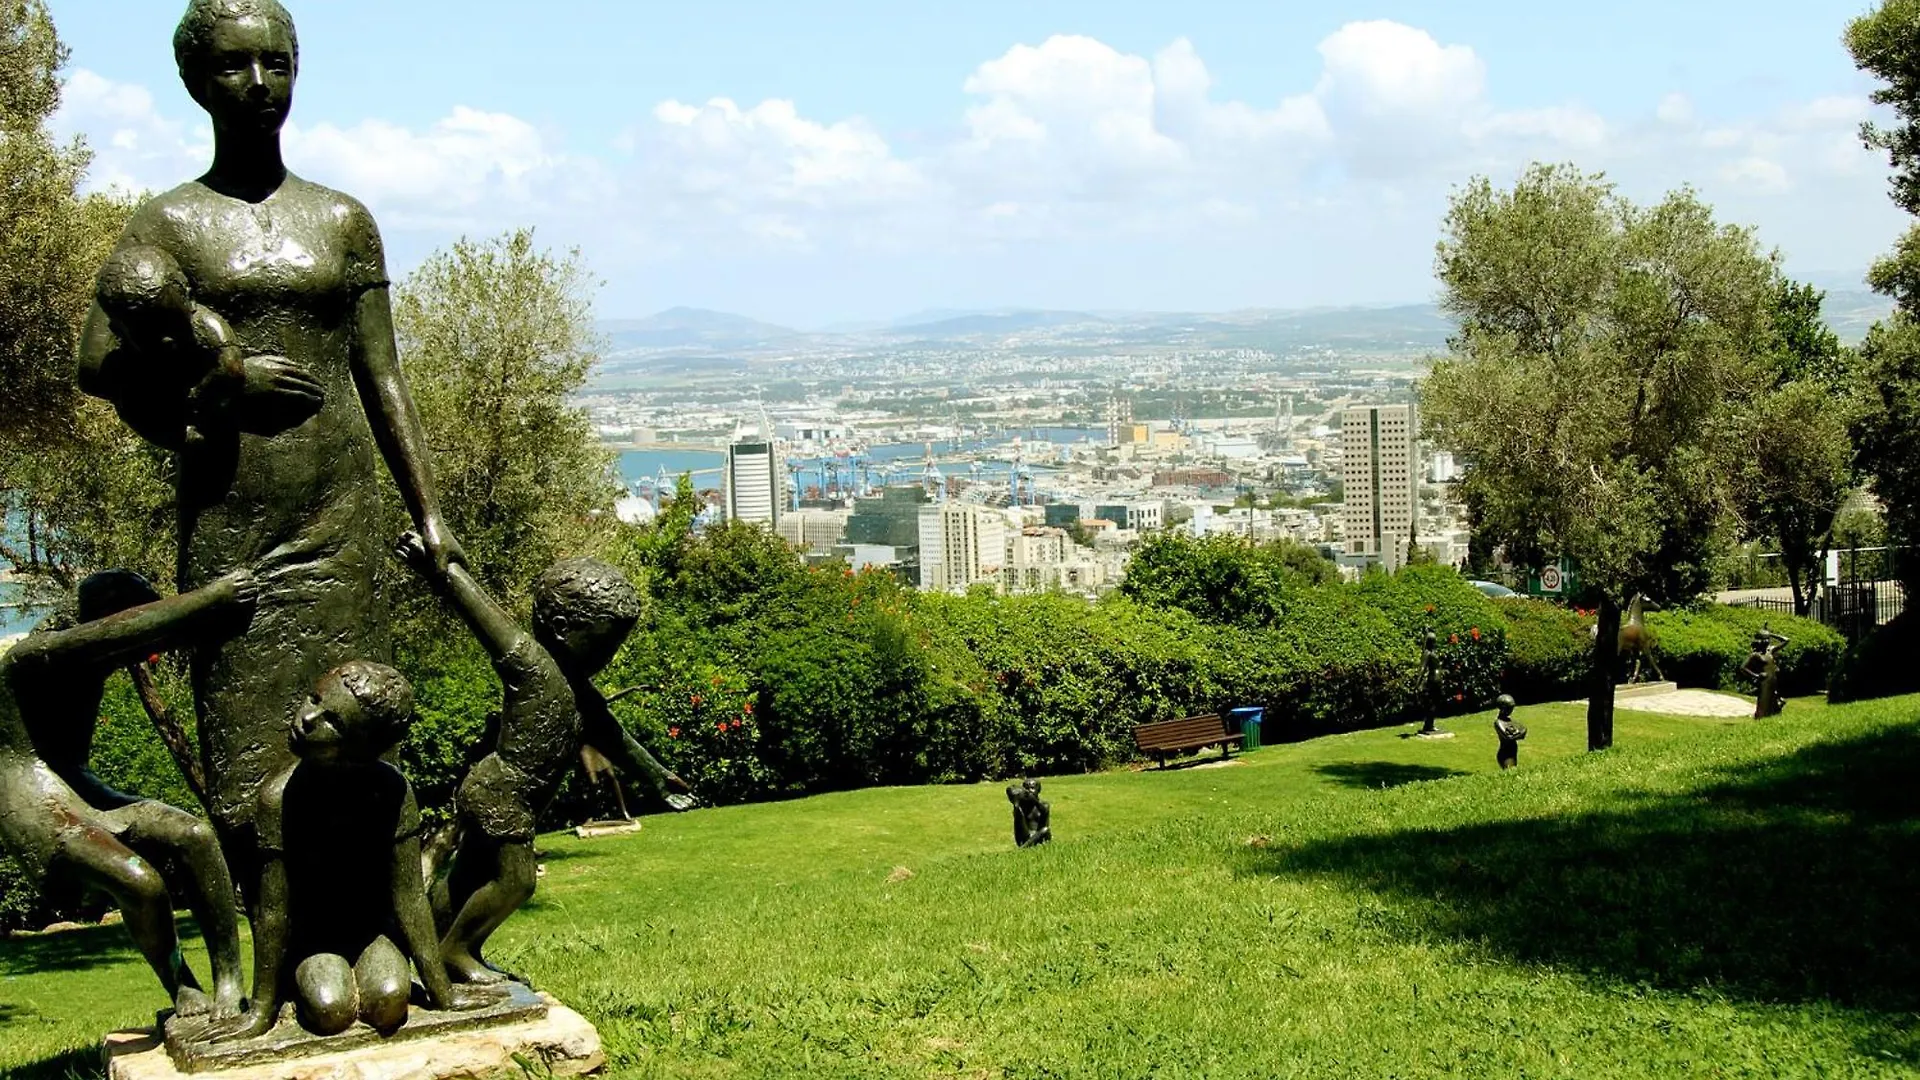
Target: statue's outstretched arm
135, 634
396, 423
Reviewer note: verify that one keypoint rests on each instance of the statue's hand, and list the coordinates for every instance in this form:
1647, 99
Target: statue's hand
441, 545
246, 587
276, 377
251, 1024
412, 549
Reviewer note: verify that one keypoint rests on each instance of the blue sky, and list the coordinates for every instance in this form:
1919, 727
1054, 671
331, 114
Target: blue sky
811, 163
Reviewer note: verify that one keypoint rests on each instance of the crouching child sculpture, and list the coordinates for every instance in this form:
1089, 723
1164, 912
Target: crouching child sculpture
342, 919
1032, 815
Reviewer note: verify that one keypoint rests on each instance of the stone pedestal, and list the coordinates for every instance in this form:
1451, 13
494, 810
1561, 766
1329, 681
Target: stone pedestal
594, 829
554, 1042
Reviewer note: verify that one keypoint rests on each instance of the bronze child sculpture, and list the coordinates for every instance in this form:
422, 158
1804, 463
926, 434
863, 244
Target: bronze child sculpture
1763, 667
57, 819
1032, 816
1509, 731
340, 840
583, 612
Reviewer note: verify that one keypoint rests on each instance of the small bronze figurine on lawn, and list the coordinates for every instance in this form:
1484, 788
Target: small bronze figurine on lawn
61, 822
1763, 667
1032, 816
340, 840
1430, 683
1510, 732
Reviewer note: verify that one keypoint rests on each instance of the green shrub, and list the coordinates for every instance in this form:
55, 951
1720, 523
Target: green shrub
1807, 661
1549, 651
1880, 664
1472, 650
1706, 648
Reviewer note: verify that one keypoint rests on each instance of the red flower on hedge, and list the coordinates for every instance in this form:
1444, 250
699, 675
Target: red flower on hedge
673, 733
696, 700
1453, 639
720, 727
1476, 633
747, 709
1459, 697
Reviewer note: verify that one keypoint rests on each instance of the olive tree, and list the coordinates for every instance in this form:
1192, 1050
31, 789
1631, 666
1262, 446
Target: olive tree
1604, 355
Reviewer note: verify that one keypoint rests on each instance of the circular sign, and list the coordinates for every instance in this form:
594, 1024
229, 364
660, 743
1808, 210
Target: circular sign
1550, 579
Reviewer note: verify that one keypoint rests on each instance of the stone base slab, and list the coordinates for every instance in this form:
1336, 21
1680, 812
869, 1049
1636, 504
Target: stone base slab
559, 1044
593, 829
1432, 735
1645, 689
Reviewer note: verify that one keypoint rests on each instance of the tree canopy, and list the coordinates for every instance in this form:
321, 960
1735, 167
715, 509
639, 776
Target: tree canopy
1603, 355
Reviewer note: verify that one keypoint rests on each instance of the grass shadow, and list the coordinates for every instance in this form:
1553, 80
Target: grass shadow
72, 1065
69, 950
1383, 774
1790, 881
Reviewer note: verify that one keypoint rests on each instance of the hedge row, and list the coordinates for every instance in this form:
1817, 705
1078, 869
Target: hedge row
755, 677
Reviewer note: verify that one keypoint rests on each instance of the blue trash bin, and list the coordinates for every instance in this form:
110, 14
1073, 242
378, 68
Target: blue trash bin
1249, 720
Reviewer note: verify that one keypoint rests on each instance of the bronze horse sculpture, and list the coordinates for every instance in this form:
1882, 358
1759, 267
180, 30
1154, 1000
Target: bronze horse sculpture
1635, 639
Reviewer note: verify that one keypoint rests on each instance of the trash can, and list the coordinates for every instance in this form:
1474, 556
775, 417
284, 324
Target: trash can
1249, 720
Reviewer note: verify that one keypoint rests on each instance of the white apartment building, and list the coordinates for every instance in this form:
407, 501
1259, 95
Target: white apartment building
753, 484
961, 544
814, 531
1380, 472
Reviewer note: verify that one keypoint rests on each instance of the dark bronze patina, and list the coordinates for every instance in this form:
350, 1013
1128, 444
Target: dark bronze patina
1429, 684
278, 398
59, 820
1509, 731
1763, 667
1032, 815
583, 612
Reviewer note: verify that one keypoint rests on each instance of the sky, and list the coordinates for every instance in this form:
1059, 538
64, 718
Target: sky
819, 163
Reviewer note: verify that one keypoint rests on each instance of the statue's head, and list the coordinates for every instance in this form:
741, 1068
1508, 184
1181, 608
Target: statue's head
239, 58
356, 712
1505, 704
111, 592
145, 295
583, 611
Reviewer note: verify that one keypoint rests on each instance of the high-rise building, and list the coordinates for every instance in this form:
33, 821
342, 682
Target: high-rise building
960, 544
753, 483
1380, 472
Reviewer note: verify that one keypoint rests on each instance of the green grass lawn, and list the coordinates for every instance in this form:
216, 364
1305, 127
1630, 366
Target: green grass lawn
1713, 899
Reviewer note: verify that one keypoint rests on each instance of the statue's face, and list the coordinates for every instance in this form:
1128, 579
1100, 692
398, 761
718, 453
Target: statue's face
324, 724
244, 76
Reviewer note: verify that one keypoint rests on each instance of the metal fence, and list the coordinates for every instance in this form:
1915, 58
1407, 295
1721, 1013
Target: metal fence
1854, 608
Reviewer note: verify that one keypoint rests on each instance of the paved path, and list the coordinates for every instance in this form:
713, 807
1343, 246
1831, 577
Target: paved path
1686, 703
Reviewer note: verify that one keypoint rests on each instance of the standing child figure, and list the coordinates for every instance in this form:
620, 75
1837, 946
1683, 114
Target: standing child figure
1510, 732
583, 612
59, 821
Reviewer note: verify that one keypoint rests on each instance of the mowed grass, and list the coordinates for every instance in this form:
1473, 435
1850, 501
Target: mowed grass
1713, 899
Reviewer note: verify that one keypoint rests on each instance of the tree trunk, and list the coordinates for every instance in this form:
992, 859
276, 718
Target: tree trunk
1606, 655
171, 733
1802, 595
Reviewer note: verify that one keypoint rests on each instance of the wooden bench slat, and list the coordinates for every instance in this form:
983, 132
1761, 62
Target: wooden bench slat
1186, 735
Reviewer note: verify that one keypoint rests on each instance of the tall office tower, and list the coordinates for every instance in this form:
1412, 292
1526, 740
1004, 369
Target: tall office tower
1380, 473
753, 483
960, 544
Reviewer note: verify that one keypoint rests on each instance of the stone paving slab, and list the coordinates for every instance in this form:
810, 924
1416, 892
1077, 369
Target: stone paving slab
1685, 703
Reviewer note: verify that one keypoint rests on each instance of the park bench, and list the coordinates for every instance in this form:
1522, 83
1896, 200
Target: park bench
1175, 738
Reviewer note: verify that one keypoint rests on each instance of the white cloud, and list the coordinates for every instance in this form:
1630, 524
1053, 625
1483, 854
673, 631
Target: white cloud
1067, 145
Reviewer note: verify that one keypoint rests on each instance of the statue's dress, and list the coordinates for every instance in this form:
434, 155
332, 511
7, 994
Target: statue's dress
287, 273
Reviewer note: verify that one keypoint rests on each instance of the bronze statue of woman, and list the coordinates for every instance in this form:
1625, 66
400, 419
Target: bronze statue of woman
281, 469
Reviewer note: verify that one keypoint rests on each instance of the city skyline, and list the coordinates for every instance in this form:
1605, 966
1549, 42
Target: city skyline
853, 162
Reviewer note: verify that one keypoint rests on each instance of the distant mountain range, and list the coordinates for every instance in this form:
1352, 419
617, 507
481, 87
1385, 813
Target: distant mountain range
683, 334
